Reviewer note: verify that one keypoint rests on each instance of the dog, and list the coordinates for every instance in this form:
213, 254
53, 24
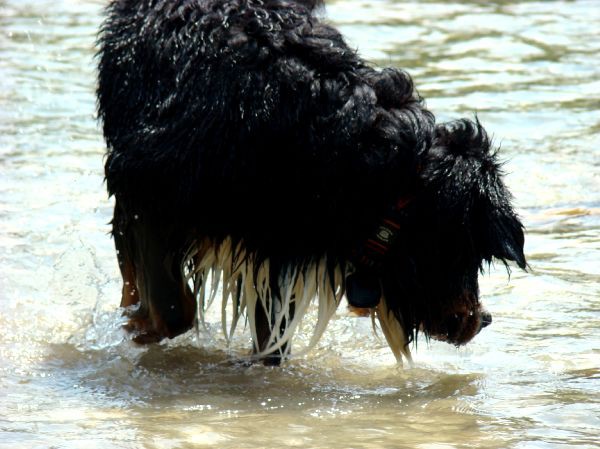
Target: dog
252, 151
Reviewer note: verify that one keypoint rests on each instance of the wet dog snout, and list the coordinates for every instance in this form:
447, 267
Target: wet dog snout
486, 319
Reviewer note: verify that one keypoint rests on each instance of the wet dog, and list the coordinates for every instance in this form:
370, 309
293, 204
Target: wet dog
251, 151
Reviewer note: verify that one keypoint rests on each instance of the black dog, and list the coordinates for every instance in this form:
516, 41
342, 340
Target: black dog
251, 150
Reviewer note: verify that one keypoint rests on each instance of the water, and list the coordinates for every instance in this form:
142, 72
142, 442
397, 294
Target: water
69, 379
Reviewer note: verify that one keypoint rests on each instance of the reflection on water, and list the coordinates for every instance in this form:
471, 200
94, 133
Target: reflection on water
68, 379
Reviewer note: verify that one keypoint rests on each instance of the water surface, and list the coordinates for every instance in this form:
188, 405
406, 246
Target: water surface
70, 379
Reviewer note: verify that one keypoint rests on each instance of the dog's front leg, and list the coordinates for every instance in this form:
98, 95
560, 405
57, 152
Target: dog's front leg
266, 315
150, 254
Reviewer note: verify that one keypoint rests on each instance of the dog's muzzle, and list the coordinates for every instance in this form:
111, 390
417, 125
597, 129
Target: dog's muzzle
486, 319
461, 326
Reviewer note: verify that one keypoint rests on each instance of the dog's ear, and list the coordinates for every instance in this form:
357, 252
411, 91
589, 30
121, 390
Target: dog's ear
498, 232
464, 178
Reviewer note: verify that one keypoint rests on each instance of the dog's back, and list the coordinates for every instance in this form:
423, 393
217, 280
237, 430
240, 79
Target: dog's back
252, 115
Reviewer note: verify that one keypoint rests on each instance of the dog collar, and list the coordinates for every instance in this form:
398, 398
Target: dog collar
378, 244
363, 288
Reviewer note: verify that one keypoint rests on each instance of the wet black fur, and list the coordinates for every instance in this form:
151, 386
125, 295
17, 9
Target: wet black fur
253, 119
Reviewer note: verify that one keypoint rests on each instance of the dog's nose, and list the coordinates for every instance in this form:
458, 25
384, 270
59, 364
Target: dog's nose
486, 319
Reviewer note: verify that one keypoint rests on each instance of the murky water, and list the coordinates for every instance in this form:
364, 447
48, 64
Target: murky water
69, 379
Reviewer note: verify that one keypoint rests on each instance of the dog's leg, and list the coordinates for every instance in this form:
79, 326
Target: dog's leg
129, 293
150, 256
265, 328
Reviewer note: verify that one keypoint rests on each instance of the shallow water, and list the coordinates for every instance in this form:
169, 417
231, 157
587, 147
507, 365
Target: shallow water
69, 378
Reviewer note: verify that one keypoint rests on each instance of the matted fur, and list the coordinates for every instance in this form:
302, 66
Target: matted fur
242, 284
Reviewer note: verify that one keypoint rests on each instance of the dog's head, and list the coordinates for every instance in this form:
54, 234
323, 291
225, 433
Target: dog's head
458, 223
